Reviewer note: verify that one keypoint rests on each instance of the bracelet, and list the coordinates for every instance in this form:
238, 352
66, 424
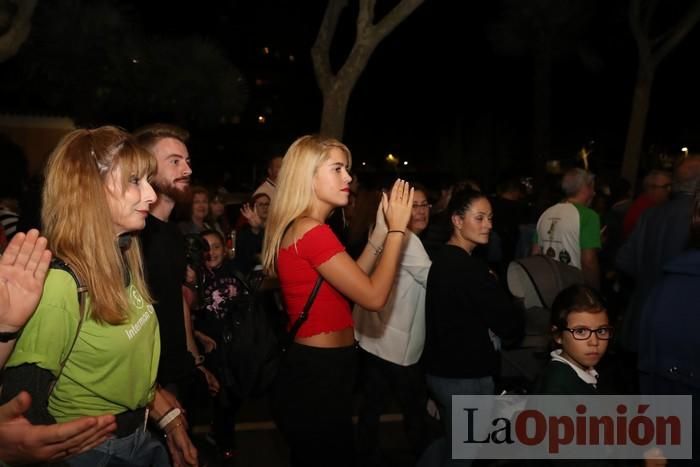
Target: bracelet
377, 249
402, 232
168, 417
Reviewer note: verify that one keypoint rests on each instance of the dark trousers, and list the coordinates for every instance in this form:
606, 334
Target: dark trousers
312, 405
379, 381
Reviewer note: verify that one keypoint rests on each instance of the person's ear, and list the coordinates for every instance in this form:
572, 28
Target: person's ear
556, 334
457, 221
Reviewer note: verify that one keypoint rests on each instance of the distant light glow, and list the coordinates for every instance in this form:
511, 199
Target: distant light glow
364, 164
292, 58
684, 149
261, 119
405, 162
266, 50
135, 61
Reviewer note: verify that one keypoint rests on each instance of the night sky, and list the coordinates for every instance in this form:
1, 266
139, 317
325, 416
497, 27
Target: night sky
436, 85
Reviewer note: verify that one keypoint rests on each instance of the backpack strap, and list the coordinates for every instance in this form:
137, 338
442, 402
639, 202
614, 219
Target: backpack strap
58, 263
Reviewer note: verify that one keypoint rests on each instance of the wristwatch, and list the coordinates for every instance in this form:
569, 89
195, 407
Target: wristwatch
9, 336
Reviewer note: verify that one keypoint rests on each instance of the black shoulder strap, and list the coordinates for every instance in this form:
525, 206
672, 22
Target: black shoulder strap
305, 312
58, 263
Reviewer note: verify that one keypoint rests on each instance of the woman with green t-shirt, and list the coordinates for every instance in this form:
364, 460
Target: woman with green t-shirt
96, 352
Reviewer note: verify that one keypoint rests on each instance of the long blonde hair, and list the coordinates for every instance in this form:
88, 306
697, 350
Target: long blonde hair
76, 215
295, 190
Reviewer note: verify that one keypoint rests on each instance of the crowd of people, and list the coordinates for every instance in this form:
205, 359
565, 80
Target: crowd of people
401, 289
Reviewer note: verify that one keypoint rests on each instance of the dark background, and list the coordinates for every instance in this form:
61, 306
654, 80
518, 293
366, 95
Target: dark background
436, 91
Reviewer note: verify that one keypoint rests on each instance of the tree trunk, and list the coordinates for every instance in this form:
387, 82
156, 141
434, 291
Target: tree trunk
335, 105
637, 124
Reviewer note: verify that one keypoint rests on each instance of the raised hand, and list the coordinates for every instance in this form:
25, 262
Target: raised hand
23, 269
380, 228
397, 206
252, 216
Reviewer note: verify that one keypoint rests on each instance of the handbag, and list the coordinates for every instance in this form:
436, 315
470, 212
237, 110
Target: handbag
255, 340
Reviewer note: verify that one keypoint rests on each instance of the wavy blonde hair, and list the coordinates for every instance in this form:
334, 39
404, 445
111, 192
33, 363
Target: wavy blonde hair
76, 215
295, 190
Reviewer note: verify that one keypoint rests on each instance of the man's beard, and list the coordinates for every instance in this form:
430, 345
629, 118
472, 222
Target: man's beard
180, 196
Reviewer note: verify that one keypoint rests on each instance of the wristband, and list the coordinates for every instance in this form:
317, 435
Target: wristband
396, 231
9, 336
168, 417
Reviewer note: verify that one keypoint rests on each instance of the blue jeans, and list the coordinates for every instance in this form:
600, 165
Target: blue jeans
442, 390
138, 449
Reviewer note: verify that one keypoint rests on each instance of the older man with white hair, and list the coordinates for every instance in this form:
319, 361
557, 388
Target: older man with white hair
569, 231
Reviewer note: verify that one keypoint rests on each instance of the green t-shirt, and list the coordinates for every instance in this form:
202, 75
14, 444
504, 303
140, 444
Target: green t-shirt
590, 227
111, 369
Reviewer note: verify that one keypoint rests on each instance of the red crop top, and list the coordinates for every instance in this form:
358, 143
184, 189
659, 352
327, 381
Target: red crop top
296, 270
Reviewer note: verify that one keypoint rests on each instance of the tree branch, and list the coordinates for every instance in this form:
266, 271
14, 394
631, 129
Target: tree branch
320, 52
365, 17
12, 40
678, 33
641, 37
648, 15
399, 13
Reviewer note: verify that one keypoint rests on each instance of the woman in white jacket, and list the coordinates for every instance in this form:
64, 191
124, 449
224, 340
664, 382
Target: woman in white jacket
391, 343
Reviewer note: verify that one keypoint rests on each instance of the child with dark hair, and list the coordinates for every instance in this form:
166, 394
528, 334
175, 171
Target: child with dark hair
219, 287
581, 328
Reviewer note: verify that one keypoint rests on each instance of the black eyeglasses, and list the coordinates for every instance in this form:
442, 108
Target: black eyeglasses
582, 334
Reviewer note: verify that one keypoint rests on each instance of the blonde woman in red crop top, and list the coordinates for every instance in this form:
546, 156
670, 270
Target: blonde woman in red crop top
312, 400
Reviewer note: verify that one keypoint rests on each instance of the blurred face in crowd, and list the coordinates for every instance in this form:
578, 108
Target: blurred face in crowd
420, 213
200, 206
584, 353
217, 207
262, 207
173, 176
274, 169
128, 205
216, 251
659, 188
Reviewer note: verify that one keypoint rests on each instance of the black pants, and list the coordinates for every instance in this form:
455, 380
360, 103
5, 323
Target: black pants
312, 405
379, 380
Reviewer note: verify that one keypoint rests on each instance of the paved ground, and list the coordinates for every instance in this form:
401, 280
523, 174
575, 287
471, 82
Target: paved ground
261, 445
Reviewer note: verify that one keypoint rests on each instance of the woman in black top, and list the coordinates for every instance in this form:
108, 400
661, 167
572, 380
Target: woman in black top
465, 309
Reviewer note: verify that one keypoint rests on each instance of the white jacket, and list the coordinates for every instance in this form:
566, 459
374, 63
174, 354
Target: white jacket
397, 333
